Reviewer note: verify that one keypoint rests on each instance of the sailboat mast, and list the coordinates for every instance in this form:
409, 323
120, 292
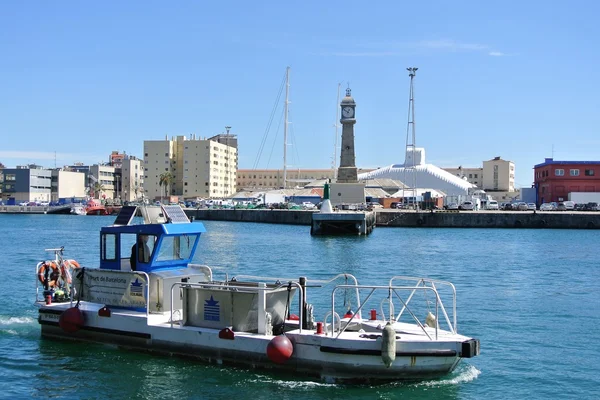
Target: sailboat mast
335, 139
285, 125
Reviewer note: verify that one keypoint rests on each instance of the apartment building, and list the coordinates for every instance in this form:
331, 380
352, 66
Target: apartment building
496, 175
132, 179
472, 175
198, 167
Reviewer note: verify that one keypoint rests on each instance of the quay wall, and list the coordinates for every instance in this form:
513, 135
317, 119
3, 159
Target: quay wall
439, 219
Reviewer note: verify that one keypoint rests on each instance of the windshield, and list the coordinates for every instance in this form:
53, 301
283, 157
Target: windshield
176, 247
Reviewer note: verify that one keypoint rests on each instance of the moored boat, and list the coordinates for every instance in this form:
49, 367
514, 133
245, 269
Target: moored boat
95, 208
148, 294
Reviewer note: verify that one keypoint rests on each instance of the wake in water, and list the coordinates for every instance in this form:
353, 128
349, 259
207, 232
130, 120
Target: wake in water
463, 374
21, 326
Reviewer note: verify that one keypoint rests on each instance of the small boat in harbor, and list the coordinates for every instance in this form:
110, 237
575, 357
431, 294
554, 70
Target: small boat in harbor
94, 207
148, 294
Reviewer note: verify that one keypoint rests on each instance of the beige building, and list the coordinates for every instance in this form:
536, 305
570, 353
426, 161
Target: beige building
499, 175
199, 167
132, 178
471, 175
105, 176
67, 184
273, 178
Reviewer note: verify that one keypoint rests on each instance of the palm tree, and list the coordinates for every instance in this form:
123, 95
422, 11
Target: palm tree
97, 189
165, 179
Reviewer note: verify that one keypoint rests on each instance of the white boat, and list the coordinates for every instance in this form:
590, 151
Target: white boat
170, 305
78, 209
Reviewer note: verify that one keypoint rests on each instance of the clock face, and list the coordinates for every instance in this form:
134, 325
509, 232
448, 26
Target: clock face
347, 112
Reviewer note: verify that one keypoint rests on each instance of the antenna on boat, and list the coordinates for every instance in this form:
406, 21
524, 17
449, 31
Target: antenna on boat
410, 136
285, 124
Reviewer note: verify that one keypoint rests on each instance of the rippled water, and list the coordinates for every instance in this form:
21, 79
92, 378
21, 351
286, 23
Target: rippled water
530, 296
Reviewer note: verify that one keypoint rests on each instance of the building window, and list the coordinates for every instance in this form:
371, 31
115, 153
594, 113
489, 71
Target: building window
559, 172
574, 172
589, 172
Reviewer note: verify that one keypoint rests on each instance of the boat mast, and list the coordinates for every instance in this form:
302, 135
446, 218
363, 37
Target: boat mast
335, 139
285, 125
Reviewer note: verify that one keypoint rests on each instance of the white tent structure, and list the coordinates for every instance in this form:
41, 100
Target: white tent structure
421, 175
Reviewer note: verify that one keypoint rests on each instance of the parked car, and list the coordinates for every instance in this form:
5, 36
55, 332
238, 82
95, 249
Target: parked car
508, 207
561, 206
452, 206
492, 205
522, 206
531, 206
466, 205
579, 207
307, 205
591, 206
569, 205
373, 205
547, 207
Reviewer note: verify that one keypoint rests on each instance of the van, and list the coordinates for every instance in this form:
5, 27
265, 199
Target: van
492, 205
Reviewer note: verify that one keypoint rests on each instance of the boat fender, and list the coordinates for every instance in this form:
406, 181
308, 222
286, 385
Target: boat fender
280, 349
590, 225
226, 333
420, 221
430, 320
542, 223
518, 223
388, 345
71, 320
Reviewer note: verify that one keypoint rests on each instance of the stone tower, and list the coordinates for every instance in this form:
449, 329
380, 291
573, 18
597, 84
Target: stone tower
347, 172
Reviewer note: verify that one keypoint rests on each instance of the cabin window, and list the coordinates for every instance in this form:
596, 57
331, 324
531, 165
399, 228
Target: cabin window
176, 247
109, 247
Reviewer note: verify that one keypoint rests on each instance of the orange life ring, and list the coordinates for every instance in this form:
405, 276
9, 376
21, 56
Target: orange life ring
64, 269
53, 273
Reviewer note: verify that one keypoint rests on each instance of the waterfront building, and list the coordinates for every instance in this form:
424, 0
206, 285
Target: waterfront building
26, 183
191, 167
103, 185
67, 185
498, 175
132, 179
554, 180
471, 175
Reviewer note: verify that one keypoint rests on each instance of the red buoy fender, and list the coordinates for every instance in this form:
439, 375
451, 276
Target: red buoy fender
280, 349
71, 320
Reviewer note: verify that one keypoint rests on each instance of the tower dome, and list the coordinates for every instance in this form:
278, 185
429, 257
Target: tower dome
348, 99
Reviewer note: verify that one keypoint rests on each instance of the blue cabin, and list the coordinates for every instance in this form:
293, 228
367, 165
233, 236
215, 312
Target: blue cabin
149, 247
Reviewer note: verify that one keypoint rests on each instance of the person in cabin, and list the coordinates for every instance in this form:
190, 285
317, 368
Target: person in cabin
143, 251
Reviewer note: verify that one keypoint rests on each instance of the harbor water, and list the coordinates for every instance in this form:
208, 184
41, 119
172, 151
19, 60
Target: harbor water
531, 296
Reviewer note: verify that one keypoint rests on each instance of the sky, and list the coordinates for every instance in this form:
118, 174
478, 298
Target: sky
512, 79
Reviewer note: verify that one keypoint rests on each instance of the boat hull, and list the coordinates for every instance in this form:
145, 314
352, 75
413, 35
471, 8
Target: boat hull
350, 358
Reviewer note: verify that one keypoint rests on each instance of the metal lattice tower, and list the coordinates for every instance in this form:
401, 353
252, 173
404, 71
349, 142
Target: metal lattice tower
410, 135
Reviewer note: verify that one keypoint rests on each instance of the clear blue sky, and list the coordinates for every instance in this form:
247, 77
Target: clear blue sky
514, 79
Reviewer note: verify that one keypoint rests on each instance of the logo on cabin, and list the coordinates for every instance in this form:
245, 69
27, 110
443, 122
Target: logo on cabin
136, 288
212, 310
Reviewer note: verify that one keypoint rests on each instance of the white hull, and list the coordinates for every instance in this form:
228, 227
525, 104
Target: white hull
347, 358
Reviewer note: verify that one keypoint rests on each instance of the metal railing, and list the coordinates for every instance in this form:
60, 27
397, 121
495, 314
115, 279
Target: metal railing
391, 290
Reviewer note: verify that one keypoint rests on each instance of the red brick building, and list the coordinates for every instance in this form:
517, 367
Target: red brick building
554, 180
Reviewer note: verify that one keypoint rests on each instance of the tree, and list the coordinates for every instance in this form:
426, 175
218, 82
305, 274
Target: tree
165, 179
98, 187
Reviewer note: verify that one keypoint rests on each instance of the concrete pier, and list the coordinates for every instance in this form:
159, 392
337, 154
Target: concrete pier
408, 219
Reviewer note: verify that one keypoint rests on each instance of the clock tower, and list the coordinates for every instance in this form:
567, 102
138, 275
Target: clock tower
347, 172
